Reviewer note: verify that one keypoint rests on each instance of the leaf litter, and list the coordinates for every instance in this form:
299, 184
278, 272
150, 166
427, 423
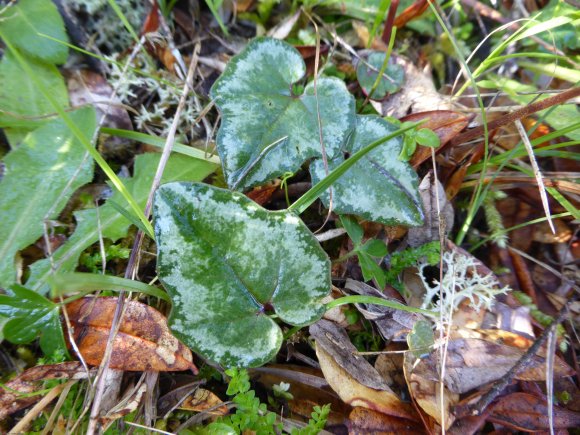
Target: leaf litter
381, 369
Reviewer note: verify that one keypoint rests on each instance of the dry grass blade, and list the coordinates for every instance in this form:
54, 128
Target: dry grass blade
537, 173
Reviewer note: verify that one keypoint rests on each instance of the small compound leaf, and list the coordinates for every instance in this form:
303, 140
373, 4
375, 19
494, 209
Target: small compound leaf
224, 261
379, 187
142, 343
24, 24
267, 130
391, 82
32, 315
427, 138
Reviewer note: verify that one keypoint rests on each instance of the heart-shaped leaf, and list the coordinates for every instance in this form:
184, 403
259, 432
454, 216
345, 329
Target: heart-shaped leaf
267, 127
367, 73
379, 187
225, 261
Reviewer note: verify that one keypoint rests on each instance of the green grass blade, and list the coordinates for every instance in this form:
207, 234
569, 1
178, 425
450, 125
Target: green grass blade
359, 299
88, 282
160, 143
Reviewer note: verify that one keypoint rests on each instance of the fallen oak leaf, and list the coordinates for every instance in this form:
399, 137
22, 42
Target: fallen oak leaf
143, 341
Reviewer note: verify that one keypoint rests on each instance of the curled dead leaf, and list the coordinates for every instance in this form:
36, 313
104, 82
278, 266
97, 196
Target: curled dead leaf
351, 376
143, 342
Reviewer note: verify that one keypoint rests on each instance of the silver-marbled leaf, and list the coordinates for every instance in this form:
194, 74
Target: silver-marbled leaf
379, 187
227, 263
260, 106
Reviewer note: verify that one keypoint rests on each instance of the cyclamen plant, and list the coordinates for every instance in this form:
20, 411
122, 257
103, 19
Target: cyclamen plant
230, 266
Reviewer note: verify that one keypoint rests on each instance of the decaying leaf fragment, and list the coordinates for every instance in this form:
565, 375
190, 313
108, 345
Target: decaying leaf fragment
142, 343
529, 413
13, 396
352, 377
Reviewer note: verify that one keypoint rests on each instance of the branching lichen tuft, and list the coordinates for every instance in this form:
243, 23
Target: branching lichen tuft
461, 281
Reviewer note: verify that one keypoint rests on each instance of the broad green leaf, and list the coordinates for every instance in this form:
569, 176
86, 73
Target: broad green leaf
113, 225
22, 108
353, 229
378, 187
268, 130
26, 20
420, 339
375, 248
226, 262
40, 176
391, 81
31, 315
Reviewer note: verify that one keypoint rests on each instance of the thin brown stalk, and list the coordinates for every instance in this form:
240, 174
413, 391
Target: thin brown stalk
518, 114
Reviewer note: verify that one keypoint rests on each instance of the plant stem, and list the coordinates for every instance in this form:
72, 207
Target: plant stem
358, 299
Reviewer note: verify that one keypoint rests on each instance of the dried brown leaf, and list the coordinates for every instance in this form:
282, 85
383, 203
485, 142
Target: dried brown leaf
366, 421
143, 342
351, 376
527, 412
13, 394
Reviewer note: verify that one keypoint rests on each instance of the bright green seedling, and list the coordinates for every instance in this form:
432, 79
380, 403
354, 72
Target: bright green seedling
367, 73
379, 187
32, 315
228, 264
268, 127
412, 138
368, 253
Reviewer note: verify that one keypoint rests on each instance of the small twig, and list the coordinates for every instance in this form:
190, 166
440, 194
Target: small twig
537, 173
518, 114
133, 259
521, 365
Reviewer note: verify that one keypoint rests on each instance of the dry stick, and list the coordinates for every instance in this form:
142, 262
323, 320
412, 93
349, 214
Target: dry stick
318, 117
537, 173
133, 259
31, 415
518, 114
522, 364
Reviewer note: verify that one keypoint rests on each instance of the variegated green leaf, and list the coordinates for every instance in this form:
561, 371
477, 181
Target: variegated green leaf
227, 263
379, 187
268, 127
391, 81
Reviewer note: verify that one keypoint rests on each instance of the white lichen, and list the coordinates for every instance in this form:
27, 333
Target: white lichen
461, 280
